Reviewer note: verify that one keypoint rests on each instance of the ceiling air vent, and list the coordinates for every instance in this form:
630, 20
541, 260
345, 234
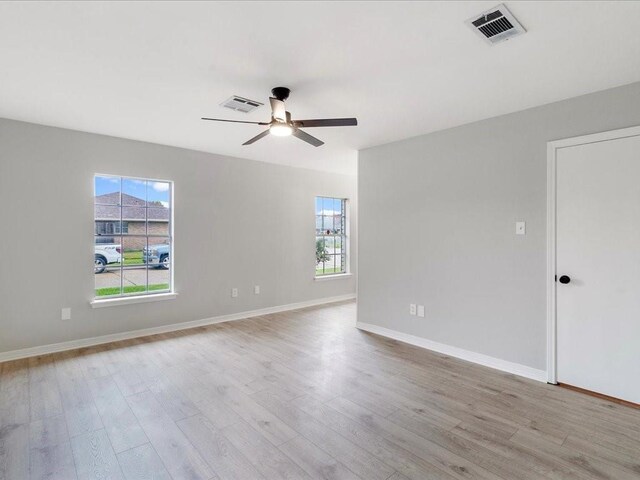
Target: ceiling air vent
496, 25
240, 104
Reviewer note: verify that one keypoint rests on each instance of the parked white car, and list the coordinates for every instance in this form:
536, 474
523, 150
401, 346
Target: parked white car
106, 253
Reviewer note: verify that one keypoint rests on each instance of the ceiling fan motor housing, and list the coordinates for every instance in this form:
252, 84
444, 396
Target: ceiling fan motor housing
281, 93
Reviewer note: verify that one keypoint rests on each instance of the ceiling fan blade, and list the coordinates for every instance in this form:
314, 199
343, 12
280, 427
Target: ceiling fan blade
326, 122
233, 121
257, 137
307, 138
278, 110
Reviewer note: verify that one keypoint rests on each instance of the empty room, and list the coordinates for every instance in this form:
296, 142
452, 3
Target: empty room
332, 240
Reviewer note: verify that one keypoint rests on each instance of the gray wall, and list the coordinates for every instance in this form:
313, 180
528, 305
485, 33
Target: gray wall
238, 223
437, 226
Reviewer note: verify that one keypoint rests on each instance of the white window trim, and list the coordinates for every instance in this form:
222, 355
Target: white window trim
146, 298
347, 241
332, 276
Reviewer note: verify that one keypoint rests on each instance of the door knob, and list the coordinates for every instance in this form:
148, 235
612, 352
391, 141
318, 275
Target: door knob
564, 279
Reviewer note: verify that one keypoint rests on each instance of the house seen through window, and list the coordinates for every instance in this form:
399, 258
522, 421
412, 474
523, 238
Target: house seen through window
132, 236
331, 236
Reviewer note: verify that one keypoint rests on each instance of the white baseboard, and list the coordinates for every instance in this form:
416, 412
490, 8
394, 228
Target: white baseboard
479, 358
88, 342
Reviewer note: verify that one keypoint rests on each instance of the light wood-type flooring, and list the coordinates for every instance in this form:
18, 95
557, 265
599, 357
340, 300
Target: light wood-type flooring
297, 395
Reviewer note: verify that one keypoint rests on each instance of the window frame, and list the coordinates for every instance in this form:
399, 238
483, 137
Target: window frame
147, 295
345, 237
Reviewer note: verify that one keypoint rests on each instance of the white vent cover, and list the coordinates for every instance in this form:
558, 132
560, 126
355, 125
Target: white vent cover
240, 104
496, 25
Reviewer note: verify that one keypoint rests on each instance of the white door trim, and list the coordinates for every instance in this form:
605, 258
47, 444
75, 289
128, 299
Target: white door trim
552, 150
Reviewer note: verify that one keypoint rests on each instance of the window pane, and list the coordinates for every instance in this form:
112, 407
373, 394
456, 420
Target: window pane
337, 245
107, 190
134, 192
158, 252
321, 252
329, 244
107, 219
319, 225
136, 219
132, 248
107, 258
134, 280
107, 228
323, 266
318, 205
337, 206
160, 277
327, 224
158, 258
330, 267
158, 228
327, 206
337, 223
158, 221
159, 194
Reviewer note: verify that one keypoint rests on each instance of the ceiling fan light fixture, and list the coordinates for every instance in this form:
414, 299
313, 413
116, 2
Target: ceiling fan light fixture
281, 124
280, 129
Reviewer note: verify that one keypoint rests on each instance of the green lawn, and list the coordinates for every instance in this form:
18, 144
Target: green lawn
132, 258
328, 271
103, 292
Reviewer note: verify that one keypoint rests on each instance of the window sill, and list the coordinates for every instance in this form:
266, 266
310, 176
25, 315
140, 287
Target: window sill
114, 302
334, 276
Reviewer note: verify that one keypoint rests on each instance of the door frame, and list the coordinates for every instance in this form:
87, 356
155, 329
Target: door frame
552, 151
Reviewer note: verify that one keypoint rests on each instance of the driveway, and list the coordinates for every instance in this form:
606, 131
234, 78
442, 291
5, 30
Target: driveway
133, 276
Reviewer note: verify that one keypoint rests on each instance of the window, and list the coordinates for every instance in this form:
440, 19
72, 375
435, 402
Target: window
132, 236
331, 236
111, 228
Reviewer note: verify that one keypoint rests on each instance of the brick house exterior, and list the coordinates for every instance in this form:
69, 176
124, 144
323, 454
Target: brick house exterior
139, 219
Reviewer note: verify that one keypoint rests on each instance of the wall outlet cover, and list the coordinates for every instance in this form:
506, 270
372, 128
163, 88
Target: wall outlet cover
412, 309
65, 314
256, 289
521, 228
234, 292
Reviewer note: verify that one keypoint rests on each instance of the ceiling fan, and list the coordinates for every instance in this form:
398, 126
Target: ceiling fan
281, 124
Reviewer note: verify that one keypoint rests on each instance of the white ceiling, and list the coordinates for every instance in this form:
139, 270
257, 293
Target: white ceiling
150, 70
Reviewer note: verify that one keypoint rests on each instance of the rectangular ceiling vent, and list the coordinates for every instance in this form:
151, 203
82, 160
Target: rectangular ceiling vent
496, 25
240, 104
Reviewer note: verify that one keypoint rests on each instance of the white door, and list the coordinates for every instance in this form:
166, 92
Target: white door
598, 248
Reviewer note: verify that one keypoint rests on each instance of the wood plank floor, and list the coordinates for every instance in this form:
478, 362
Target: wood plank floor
297, 395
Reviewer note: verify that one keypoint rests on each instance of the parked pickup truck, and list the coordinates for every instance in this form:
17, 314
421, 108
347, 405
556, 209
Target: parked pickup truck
156, 255
105, 254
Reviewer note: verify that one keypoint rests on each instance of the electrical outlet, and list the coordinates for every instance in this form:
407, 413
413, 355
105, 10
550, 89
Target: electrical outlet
234, 292
256, 289
65, 314
412, 309
421, 311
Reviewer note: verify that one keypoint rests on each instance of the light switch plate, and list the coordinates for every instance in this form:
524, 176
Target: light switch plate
421, 311
234, 292
65, 314
256, 289
412, 309
521, 228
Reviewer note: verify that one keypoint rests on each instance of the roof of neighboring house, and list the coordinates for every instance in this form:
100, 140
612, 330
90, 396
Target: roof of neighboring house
133, 208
